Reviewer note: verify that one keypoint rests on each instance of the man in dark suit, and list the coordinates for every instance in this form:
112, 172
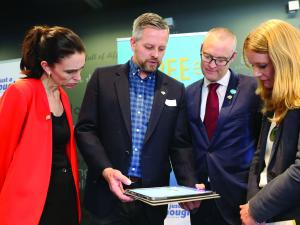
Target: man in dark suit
224, 117
131, 127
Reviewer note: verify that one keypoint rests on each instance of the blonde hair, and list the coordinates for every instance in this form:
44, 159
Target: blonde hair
281, 41
148, 20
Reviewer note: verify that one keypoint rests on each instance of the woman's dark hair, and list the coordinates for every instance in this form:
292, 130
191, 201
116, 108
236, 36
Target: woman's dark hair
50, 44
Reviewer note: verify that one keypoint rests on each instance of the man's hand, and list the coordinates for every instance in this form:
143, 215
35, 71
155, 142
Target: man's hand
194, 204
190, 205
115, 180
246, 218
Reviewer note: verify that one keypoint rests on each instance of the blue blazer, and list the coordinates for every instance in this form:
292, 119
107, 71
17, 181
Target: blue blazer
226, 158
103, 135
280, 198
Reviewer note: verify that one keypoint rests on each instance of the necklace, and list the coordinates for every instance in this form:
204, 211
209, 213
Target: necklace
273, 133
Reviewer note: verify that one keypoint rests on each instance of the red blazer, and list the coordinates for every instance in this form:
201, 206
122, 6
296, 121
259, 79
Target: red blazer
26, 152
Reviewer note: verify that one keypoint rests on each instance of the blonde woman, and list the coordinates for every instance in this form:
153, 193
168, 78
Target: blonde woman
273, 52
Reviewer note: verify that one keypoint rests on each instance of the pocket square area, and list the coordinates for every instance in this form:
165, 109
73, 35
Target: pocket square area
171, 102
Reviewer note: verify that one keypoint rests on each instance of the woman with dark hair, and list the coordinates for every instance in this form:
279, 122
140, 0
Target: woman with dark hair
38, 163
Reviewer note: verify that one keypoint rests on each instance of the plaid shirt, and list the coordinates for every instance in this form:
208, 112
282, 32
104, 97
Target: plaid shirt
141, 99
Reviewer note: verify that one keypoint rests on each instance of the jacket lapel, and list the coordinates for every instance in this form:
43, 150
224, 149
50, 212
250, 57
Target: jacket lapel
263, 142
122, 90
196, 103
158, 104
196, 107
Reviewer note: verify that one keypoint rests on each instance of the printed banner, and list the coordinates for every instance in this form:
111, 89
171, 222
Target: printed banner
9, 72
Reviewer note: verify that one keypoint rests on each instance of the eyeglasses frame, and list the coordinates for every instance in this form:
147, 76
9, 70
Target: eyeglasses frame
216, 58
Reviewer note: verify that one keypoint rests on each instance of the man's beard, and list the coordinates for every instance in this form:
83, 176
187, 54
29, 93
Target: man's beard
149, 69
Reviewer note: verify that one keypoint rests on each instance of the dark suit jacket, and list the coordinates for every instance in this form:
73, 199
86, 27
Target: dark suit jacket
103, 135
280, 198
226, 158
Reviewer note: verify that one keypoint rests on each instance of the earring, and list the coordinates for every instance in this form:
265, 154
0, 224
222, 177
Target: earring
49, 75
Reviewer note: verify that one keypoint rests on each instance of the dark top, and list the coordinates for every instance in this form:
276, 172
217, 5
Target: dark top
60, 206
61, 136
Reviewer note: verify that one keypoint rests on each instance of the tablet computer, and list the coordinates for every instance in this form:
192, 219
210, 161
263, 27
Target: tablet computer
167, 194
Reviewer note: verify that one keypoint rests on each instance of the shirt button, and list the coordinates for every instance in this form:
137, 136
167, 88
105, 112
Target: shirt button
137, 130
140, 96
133, 169
135, 149
139, 112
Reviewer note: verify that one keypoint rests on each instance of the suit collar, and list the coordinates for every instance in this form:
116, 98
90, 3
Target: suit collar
196, 99
232, 90
122, 90
263, 141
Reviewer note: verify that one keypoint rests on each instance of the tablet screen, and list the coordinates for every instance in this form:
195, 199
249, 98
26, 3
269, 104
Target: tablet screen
158, 193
